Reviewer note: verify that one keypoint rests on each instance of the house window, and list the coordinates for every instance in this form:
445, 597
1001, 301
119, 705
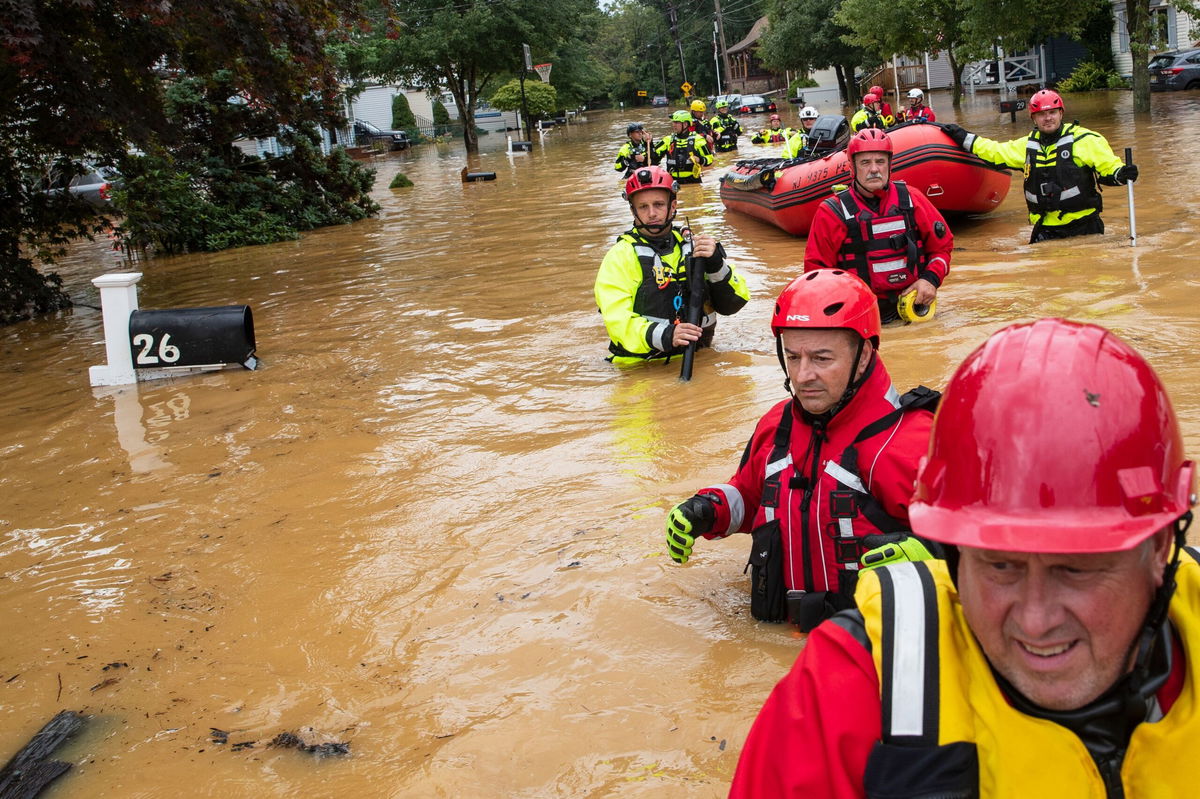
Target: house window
1162, 28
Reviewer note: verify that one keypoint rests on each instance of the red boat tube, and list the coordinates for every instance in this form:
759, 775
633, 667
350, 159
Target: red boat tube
786, 193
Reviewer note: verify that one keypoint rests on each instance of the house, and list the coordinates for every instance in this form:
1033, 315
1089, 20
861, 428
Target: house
747, 75
1174, 30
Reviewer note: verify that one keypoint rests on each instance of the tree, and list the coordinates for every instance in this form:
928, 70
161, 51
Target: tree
402, 115
963, 29
460, 45
83, 80
803, 35
541, 99
1141, 40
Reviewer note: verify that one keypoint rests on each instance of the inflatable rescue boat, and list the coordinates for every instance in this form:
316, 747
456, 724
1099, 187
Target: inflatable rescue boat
786, 192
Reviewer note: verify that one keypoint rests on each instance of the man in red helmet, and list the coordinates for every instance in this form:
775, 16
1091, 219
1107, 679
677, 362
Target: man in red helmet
774, 133
824, 470
885, 107
882, 230
1062, 163
1054, 651
870, 115
642, 288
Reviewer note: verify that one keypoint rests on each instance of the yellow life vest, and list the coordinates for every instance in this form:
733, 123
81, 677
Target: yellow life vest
943, 707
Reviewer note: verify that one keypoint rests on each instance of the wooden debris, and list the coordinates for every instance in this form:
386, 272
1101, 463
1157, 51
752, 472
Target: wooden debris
31, 769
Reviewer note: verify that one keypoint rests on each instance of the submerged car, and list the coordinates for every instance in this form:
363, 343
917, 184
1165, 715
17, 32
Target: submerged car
94, 186
1175, 70
366, 133
659, 101
755, 104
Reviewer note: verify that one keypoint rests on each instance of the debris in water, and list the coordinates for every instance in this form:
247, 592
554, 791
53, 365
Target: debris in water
289, 740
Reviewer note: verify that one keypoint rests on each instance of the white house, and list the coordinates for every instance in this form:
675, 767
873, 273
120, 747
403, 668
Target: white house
1175, 30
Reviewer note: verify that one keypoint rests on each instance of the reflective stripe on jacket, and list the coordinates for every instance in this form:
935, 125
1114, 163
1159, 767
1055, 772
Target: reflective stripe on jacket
726, 129
885, 248
677, 154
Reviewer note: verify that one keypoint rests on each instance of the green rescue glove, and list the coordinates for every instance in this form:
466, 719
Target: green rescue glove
689, 519
904, 547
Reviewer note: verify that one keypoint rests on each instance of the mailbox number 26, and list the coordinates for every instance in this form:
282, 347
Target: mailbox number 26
167, 352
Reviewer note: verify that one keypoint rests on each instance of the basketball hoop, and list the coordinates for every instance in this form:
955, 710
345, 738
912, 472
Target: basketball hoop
543, 71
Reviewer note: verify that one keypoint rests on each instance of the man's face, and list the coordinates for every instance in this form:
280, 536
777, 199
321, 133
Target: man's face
1060, 627
872, 170
808, 123
678, 127
723, 110
652, 207
776, 124
913, 102
818, 364
1048, 121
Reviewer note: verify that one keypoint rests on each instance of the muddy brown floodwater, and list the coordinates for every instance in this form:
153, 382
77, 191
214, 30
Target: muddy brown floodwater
430, 526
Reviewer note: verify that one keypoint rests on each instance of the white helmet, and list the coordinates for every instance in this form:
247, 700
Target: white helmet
808, 112
916, 94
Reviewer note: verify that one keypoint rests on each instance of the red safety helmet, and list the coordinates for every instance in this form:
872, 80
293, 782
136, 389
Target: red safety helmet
1053, 436
1044, 100
868, 140
877, 91
774, 118
827, 298
650, 177
870, 97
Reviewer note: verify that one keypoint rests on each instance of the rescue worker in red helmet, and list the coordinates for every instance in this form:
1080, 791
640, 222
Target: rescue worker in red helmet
641, 288
885, 107
1062, 163
774, 133
826, 469
882, 230
1054, 651
870, 115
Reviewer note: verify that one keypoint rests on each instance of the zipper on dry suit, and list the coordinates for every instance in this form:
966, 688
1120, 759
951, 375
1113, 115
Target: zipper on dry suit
809, 484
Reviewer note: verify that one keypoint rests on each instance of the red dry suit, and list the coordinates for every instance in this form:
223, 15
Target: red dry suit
825, 488
906, 240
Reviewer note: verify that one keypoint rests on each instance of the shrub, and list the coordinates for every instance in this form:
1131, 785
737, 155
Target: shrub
1087, 77
401, 181
402, 115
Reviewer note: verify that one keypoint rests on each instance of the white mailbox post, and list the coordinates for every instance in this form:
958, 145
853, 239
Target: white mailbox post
118, 299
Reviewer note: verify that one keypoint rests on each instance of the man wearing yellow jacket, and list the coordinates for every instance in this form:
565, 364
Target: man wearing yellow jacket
1056, 649
642, 285
1061, 163
683, 154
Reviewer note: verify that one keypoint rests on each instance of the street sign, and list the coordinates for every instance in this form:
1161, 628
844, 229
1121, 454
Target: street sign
641, 94
528, 57
687, 88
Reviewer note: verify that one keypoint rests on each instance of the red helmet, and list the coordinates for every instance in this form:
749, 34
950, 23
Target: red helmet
1044, 100
869, 140
1053, 436
774, 117
828, 298
650, 177
877, 91
870, 98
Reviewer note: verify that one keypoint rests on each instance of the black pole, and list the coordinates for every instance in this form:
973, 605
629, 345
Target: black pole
525, 108
695, 310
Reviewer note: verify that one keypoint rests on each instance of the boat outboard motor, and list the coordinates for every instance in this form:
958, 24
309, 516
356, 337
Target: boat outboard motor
829, 133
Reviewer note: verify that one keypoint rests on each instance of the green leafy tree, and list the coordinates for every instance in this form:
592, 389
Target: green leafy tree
541, 99
83, 81
459, 45
402, 115
963, 29
803, 35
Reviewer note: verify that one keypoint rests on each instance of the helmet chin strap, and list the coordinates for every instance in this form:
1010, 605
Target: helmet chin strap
851, 387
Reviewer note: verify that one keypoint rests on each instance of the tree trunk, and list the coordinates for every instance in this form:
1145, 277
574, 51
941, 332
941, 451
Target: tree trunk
463, 91
956, 71
1139, 53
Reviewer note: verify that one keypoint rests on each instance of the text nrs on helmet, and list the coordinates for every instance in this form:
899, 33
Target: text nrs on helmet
1053, 437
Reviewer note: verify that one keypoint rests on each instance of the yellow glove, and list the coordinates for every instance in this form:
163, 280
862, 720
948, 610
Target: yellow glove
907, 547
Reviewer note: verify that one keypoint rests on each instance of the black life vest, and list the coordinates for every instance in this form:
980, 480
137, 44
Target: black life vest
679, 156
885, 248
1058, 184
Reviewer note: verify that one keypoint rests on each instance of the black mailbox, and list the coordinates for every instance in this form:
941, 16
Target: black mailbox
192, 337
1010, 106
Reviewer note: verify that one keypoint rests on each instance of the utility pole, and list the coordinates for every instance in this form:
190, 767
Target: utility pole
678, 41
716, 59
721, 36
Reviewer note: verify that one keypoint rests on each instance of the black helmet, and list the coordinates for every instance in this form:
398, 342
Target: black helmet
632, 127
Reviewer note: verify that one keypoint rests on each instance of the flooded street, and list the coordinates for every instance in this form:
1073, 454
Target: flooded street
431, 525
